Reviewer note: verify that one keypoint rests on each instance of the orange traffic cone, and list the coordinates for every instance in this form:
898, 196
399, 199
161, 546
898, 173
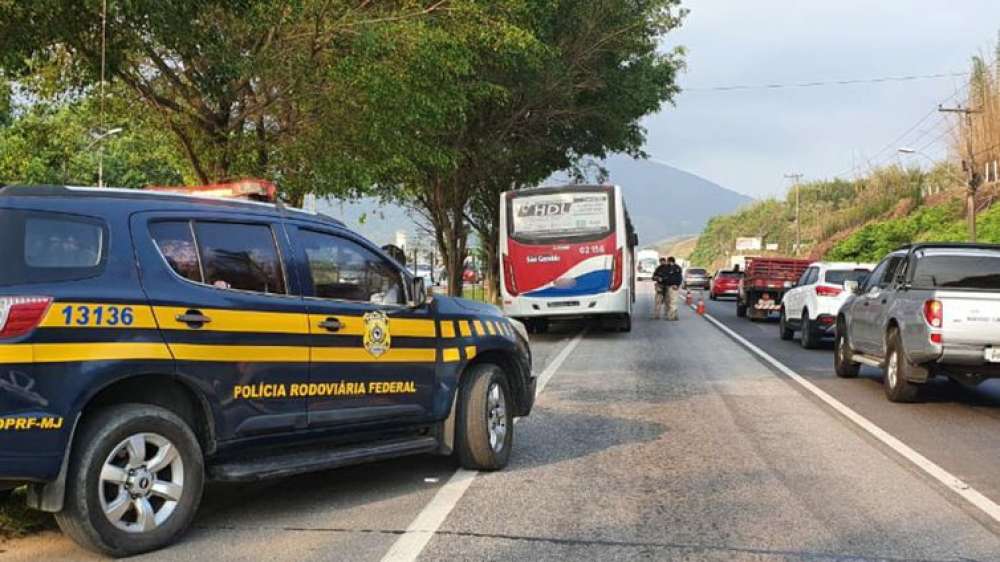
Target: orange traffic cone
689, 298
701, 307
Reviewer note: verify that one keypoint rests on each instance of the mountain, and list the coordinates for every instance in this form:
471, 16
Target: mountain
664, 202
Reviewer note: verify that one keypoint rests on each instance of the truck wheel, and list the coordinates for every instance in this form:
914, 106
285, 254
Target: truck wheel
808, 336
485, 424
785, 332
843, 357
134, 482
897, 369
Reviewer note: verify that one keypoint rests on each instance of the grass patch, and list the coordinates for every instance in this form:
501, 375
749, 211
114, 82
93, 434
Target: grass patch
16, 520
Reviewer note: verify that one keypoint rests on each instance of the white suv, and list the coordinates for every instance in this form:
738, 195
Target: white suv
812, 304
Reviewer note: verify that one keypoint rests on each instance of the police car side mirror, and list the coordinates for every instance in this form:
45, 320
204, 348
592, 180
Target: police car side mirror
418, 292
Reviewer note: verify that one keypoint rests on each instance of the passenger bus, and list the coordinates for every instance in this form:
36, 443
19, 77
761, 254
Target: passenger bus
567, 252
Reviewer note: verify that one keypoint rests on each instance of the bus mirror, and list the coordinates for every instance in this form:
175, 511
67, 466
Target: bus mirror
635, 239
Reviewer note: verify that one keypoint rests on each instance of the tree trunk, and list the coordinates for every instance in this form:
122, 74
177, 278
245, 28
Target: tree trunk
491, 269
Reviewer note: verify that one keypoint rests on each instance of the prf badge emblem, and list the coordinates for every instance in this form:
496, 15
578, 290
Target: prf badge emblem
377, 340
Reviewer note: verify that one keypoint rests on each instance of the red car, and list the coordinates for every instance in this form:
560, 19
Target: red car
725, 284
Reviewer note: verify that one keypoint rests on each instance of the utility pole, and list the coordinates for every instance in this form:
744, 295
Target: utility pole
969, 166
104, 47
797, 178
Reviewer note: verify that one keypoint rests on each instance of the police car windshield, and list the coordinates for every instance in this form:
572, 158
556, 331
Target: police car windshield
561, 215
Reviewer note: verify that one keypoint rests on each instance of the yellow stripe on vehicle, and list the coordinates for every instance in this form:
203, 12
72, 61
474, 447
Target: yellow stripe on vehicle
99, 315
470, 353
410, 327
355, 326
73, 352
16, 353
451, 355
466, 329
235, 321
447, 329
240, 353
360, 355
480, 330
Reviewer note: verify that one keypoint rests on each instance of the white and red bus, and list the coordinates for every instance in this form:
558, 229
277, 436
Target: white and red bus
567, 252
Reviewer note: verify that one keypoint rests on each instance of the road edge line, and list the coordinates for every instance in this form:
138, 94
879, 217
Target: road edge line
929, 467
411, 544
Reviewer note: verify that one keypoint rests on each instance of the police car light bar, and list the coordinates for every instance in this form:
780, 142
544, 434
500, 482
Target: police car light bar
249, 189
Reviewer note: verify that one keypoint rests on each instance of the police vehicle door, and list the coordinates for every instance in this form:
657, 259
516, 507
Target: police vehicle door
231, 314
373, 359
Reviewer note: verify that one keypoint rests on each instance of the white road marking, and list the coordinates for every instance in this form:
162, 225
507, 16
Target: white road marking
949, 480
412, 542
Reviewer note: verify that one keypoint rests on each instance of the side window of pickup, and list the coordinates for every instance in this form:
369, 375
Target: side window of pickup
889, 276
875, 279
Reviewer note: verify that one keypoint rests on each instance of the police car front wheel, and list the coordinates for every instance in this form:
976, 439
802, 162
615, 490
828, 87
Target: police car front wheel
135, 480
485, 423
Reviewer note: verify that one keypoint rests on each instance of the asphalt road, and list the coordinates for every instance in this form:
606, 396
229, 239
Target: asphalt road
672, 442
956, 427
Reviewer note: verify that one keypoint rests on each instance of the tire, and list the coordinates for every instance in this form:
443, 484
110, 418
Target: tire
843, 364
897, 370
807, 334
102, 444
478, 445
626, 325
784, 331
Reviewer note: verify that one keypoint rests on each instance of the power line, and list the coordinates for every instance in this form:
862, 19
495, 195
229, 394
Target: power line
819, 83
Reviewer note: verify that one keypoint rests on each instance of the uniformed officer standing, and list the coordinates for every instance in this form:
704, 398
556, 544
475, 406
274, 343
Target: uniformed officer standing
668, 277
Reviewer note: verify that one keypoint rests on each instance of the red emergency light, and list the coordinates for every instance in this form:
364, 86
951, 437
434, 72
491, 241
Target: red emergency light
250, 189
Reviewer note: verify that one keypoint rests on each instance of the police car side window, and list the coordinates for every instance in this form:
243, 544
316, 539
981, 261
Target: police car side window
240, 256
175, 240
344, 270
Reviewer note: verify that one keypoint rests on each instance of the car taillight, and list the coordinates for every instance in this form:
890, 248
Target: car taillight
824, 291
616, 273
934, 313
20, 315
508, 276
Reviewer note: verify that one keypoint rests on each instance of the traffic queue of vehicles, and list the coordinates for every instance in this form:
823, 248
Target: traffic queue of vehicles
926, 310
152, 341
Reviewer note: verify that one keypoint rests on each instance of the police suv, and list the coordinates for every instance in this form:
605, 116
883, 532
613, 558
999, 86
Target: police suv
151, 341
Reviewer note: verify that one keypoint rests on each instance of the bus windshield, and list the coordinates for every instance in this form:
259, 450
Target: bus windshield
563, 216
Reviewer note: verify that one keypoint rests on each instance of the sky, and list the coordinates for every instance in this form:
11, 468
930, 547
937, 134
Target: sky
747, 140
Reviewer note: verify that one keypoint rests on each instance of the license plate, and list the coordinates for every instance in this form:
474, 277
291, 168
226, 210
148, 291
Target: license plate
992, 354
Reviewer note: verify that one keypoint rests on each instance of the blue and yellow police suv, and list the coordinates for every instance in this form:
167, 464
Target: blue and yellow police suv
151, 341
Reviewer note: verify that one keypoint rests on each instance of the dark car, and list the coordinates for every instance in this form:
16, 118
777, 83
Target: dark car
150, 342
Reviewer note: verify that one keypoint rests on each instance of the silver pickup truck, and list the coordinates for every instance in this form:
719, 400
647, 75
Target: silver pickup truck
926, 310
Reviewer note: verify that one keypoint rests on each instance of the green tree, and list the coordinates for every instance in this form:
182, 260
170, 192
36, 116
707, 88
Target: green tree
247, 87
52, 143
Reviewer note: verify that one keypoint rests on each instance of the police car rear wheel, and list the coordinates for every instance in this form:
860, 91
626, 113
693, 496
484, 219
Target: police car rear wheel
485, 423
134, 482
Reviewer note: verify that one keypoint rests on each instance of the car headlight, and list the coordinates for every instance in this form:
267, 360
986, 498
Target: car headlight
520, 327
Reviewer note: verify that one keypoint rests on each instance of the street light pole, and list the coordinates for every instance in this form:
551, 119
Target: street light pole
798, 225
